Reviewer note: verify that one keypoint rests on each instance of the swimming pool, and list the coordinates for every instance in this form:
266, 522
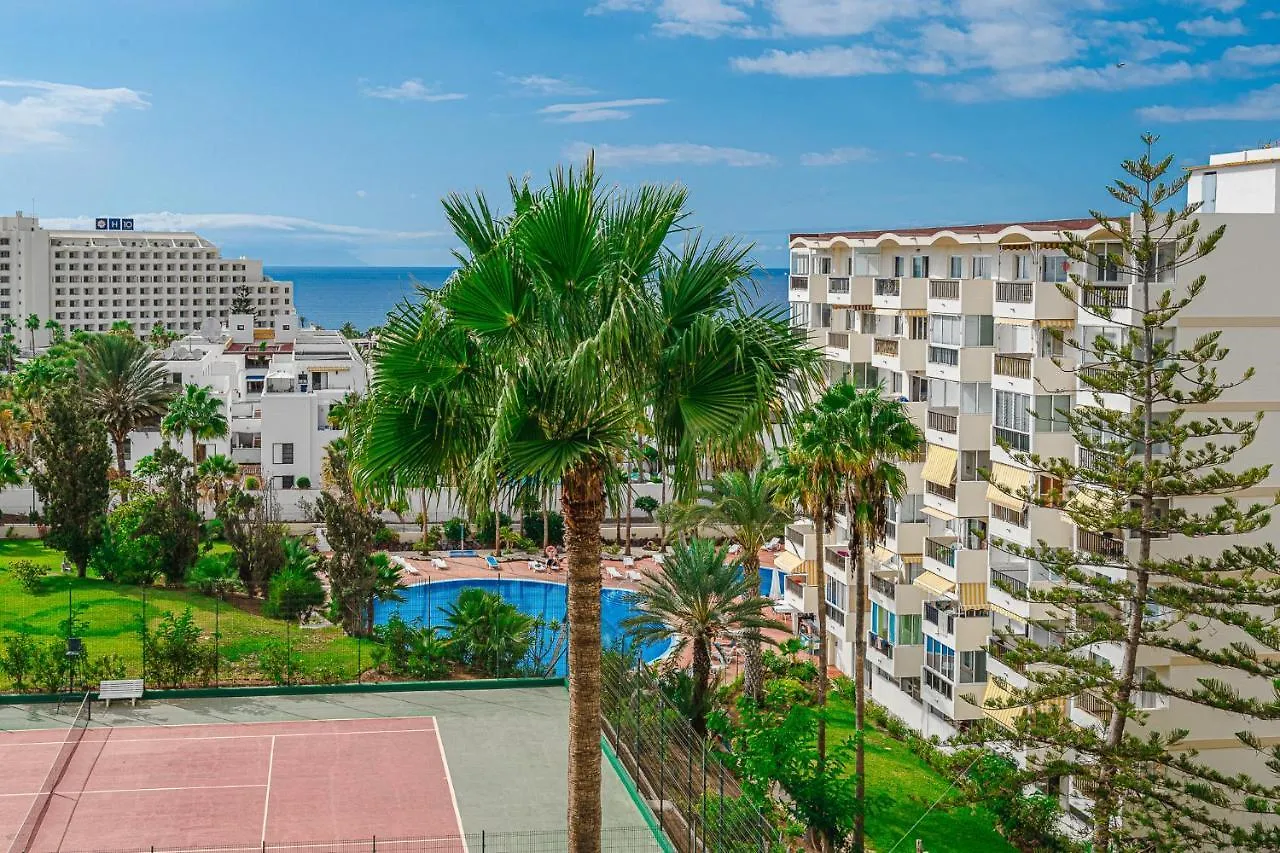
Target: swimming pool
425, 604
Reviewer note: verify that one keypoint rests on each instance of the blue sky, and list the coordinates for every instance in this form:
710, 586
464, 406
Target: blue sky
326, 132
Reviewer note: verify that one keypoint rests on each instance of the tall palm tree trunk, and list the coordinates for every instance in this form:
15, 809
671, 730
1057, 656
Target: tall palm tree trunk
857, 550
627, 510
753, 672
819, 525
701, 683
118, 440
582, 503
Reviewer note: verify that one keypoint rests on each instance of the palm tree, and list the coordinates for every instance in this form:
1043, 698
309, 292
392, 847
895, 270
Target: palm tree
10, 469
33, 326
809, 475
215, 473
195, 411
567, 324
748, 505
124, 386
56, 333
698, 598
876, 433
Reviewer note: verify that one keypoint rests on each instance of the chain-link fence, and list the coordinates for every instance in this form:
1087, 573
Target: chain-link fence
614, 840
66, 634
684, 777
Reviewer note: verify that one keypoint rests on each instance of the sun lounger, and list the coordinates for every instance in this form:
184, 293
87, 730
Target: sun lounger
633, 575
628, 562
492, 562
538, 565
659, 559
772, 544
613, 573
440, 564
734, 549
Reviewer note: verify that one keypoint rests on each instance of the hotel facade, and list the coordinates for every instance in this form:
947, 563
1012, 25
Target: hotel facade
965, 324
89, 280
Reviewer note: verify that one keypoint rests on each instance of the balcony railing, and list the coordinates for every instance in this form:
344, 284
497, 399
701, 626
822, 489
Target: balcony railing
795, 587
839, 340
1095, 458
940, 551
884, 586
944, 288
1106, 296
1001, 652
945, 492
1096, 706
937, 683
1018, 518
886, 346
944, 355
799, 282
836, 557
1094, 371
835, 614
838, 284
888, 287
795, 537
1014, 439
1015, 366
1096, 543
1014, 291
943, 421
880, 644
1015, 584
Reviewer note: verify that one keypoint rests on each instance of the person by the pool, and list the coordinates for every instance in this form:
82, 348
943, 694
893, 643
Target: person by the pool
553, 558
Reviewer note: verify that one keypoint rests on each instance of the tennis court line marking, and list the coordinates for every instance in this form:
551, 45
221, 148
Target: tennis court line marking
136, 790
124, 739
453, 795
266, 800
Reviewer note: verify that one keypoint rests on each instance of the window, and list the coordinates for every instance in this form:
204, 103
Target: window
910, 630
1051, 343
979, 330
282, 454
283, 482
1161, 268
1105, 257
1012, 411
1054, 268
128, 449
1050, 489
971, 461
975, 398
981, 266
947, 329
918, 329
800, 263
824, 265
973, 667
899, 266
955, 267
866, 263
884, 623
919, 266
837, 594
800, 314
824, 316
1022, 268
1049, 412
940, 658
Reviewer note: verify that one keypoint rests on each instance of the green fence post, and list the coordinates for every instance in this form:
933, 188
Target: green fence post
217, 655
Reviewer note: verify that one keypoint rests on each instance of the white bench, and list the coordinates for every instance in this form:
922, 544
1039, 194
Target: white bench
128, 688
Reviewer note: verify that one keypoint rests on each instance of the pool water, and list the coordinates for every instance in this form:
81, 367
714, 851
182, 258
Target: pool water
425, 604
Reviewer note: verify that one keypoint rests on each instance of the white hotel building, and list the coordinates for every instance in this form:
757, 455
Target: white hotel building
91, 279
957, 321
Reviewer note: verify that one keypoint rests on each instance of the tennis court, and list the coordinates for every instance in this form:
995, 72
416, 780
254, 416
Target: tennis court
274, 771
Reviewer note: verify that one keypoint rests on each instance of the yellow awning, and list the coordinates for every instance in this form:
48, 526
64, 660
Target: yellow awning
973, 596
940, 465
998, 694
934, 583
1007, 613
1013, 321
1091, 500
912, 559
915, 312
882, 554
1056, 324
937, 513
326, 368
787, 561
1006, 484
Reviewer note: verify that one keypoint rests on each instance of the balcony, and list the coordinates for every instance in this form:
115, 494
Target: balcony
245, 455
900, 293
1095, 706
889, 287
1100, 544
1015, 366
1015, 292
885, 586
944, 420
898, 354
838, 286
1031, 300
838, 346
959, 363
944, 288
1015, 440
947, 493
837, 558
799, 289
888, 347
944, 556
1027, 373
880, 644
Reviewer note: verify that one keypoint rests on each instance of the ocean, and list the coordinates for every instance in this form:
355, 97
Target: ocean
331, 296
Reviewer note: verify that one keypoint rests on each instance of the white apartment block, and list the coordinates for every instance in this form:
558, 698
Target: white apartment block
277, 385
958, 322
89, 280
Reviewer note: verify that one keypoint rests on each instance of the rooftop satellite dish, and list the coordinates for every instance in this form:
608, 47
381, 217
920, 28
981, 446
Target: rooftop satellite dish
211, 329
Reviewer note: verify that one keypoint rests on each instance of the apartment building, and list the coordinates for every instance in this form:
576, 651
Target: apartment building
90, 280
277, 385
959, 323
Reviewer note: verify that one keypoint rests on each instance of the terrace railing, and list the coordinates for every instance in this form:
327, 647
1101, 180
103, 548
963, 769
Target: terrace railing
944, 288
1014, 291
838, 284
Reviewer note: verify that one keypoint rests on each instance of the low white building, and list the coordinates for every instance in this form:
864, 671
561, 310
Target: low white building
277, 385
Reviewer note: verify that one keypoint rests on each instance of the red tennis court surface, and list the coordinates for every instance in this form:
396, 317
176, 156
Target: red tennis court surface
132, 788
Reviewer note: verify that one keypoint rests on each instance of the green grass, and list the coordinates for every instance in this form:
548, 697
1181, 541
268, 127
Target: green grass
900, 788
113, 614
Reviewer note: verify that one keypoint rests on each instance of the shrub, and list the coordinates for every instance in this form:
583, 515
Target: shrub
407, 650
532, 527
303, 482
214, 574
456, 530
49, 666
484, 524
29, 575
519, 542
386, 538
648, 504
292, 593
214, 530
105, 668
251, 483
176, 652
487, 633
18, 658
279, 663
126, 554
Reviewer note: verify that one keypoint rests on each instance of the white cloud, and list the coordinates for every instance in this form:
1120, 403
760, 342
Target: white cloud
361, 193
540, 84
828, 61
598, 110
703, 18
667, 153
835, 18
1253, 54
1212, 27
1047, 82
412, 90
948, 158
44, 112
167, 221
837, 156
1000, 44
1220, 5
1258, 105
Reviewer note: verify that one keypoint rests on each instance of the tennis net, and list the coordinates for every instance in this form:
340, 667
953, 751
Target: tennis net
40, 806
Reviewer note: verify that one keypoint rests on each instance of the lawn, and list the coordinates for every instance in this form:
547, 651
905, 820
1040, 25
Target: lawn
112, 615
900, 787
